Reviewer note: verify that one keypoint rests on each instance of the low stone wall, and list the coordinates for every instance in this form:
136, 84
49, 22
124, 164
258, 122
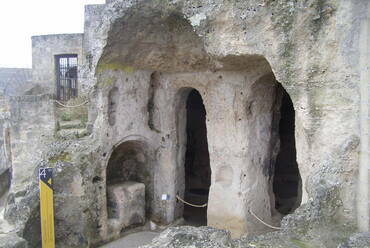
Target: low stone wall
14, 81
31, 126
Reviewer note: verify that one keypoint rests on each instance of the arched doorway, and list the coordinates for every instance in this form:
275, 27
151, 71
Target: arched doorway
287, 186
197, 165
129, 185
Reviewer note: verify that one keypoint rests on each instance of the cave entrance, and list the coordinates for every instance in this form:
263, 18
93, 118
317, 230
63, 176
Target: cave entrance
129, 186
287, 180
197, 165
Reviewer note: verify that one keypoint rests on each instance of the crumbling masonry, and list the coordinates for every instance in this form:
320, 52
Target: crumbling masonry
255, 108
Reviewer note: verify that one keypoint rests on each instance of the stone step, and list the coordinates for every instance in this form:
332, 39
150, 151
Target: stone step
72, 133
74, 124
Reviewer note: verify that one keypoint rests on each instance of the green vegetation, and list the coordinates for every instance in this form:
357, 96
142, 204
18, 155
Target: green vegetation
64, 156
114, 67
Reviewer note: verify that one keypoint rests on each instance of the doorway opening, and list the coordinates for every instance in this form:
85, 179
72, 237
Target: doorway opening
287, 186
197, 165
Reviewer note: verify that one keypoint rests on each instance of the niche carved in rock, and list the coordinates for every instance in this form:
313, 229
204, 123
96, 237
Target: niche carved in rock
112, 105
154, 121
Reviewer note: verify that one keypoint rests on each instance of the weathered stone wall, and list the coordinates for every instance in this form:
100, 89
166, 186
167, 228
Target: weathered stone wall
233, 53
28, 126
15, 81
300, 40
44, 49
5, 178
232, 145
31, 126
363, 189
91, 25
5, 152
4, 136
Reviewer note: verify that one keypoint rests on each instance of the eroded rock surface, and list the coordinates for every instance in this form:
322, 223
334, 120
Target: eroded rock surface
12, 241
126, 205
145, 58
187, 237
358, 240
204, 237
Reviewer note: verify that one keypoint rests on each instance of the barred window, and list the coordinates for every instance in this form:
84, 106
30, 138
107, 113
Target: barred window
66, 75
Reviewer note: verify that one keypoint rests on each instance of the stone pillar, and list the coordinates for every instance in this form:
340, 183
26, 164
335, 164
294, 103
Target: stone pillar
240, 144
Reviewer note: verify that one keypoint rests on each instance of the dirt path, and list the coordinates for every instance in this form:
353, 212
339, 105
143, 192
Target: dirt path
133, 240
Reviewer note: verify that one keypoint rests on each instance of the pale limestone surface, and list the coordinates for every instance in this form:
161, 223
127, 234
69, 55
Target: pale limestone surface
146, 56
134, 240
14, 81
12, 241
228, 50
44, 50
31, 127
126, 203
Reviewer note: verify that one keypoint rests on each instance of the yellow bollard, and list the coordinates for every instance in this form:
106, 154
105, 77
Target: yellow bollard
47, 207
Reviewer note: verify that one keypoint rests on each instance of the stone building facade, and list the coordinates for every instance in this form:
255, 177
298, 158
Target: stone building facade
258, 109
45, 52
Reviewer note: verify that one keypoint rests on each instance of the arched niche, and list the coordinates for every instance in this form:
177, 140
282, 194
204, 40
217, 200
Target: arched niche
129, 185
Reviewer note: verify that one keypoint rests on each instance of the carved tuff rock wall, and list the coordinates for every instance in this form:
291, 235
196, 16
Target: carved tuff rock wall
233, 54
279, 81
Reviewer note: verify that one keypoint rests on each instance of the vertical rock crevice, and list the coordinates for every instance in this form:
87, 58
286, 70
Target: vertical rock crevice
154, 122
113, 99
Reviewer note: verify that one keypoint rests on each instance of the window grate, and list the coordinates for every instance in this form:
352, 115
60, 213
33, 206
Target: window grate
66, 74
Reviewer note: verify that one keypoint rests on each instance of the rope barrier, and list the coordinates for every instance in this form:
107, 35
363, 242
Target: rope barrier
250, 211
268, 225
68, 106
193, 205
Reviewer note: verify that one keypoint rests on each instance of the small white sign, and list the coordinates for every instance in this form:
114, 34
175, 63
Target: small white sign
165, 197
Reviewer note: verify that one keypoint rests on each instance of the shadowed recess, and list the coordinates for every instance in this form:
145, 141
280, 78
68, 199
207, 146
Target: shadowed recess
148, 38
